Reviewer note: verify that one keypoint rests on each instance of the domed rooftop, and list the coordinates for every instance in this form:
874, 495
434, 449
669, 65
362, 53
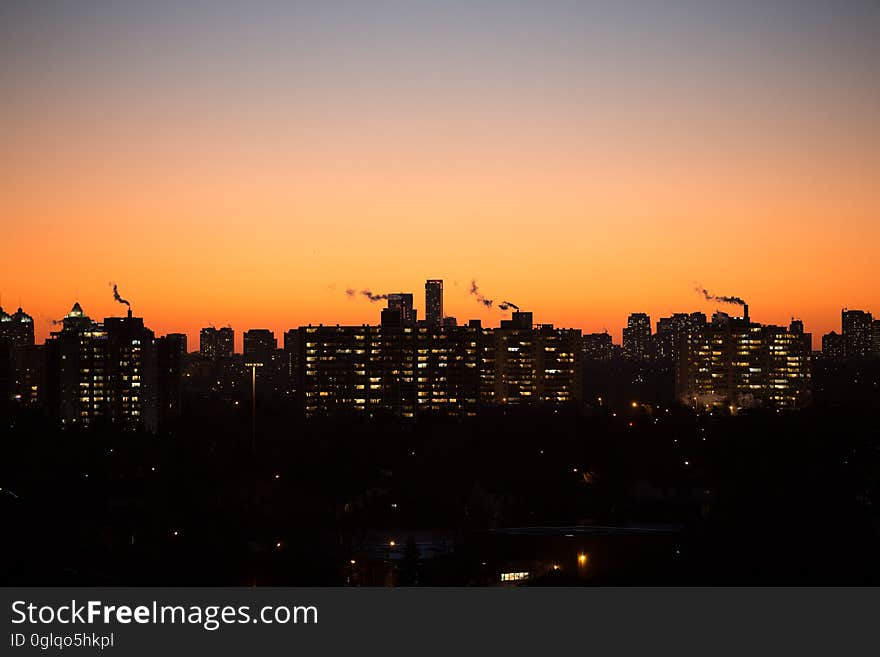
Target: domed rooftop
22, 316
76, 311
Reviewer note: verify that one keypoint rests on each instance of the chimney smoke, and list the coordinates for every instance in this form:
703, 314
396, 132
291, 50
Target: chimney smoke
351, 293
118, 298
489, 303
736, 301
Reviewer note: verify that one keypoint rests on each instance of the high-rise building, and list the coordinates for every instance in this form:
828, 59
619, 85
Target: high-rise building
796, 327
392, 364
637, 337
171, 357
875, 338
448, 369
215, 343
787, 363
22, 359
334, 369
291, 357
434, 302
132, 368
22, 373
735, 362
357, 369
102, 372
18, 327
538, 364
833, 347
77, 371
672, 333
597, 347
403, 301
259, 346
857, 328
487, 352
405, 371
558, 364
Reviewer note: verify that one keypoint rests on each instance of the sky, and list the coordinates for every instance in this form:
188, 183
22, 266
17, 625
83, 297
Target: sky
244, 163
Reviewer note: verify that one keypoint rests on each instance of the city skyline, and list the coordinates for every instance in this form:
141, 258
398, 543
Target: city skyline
473, 307
584, 161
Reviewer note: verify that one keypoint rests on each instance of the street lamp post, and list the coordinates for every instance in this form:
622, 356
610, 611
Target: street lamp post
253, 367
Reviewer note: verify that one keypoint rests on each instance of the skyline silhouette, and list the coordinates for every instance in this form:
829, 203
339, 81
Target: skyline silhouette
472, 305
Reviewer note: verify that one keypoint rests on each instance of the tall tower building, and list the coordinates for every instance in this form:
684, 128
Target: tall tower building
78, 371
216, 343
875, 338
132, 369
856, 333
170, 357
403, 301
637, 337
597, 346
259, 345
733, 361
18, 327
434, 302
102, 372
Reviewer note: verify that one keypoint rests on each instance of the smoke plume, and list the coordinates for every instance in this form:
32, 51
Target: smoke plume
713, 297
117, 297
351, 293
489, 303
475, 291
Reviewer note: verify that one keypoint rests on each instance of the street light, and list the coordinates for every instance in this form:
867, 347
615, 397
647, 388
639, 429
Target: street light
253, 367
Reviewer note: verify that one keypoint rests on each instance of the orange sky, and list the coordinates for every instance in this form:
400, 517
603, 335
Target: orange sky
254, 194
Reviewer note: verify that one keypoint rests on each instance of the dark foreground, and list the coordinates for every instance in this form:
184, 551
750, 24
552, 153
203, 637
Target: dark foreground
626, 495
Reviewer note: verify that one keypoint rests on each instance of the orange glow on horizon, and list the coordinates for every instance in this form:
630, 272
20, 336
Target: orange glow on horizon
252, 190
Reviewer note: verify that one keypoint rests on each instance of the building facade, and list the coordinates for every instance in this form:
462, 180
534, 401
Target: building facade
215, 343
434, 302
102, 373
405, 371
637, 344
735, 362
857, 328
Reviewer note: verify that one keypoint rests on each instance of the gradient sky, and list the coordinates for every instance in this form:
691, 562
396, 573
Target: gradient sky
244, 163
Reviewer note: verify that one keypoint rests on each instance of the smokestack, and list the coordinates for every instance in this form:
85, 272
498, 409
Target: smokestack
746, 312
